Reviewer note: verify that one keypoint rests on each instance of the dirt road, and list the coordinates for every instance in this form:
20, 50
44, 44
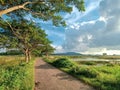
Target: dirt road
48, 77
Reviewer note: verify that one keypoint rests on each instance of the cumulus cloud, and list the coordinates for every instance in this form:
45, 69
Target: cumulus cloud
59, 48
102, 32
76, 15
76, 41
111, 11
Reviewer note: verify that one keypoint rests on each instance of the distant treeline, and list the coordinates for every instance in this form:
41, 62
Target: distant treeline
12, 52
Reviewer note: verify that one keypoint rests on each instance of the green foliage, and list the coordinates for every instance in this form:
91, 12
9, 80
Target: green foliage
46, 49
43, 9
83, 71
63, 63
16, 75
25, 36
87, 63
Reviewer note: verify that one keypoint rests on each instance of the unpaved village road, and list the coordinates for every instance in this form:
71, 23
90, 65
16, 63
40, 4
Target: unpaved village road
48, 77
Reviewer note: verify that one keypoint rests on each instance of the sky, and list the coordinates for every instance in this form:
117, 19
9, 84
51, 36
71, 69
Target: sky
95, 31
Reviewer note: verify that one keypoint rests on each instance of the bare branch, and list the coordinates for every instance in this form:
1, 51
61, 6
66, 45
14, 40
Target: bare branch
26, 3
27, 9
22, 6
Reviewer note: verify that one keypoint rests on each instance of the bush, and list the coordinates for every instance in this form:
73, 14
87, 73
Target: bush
106, 71
63, 63
110, 64
88, 63
83, 71
74, 69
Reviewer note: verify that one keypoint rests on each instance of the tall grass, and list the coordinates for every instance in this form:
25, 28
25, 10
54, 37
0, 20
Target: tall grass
102, 77
15, 74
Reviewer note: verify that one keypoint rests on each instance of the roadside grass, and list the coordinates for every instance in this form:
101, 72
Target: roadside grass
101, 77
15, 74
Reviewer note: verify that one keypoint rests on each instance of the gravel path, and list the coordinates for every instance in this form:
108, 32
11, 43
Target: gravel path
48, 77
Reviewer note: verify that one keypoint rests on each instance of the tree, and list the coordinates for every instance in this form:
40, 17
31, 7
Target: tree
46, 49
27, 40
44, 9
20, 34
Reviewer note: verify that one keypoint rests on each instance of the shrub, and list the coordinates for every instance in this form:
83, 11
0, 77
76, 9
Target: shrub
74, 69
63, 63
110, 64
106, 71
88, 63
83, 71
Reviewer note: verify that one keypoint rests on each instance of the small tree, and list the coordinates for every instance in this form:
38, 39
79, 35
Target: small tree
43, 50
47, 48
24, 36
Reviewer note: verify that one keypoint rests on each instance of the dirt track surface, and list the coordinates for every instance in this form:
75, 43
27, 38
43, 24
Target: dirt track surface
48, 77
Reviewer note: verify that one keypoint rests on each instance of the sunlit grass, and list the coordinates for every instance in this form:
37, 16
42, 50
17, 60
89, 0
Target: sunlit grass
7, 59
15, 74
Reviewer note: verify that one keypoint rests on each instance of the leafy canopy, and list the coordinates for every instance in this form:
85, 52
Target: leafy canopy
43, 9
23, 35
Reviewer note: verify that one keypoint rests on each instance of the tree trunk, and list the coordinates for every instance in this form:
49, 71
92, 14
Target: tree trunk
29, 55
26, 56
46, 54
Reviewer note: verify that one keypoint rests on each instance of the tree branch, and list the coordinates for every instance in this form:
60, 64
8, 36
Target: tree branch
38, 13
22, 6
13, 30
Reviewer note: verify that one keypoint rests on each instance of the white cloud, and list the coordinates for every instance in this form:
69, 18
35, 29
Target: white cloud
76, 41
89, 37
100, 51
110, 10
88, 22
76, 15
102, 19
99, 34
59, 49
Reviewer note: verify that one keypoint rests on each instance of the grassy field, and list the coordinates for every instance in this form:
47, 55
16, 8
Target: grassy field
102, 76
110, 57
15, 74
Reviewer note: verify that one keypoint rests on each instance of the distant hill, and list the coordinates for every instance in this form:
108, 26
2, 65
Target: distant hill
68, 53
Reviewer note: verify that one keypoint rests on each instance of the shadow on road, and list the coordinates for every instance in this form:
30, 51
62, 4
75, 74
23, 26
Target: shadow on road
44, 66
64, 76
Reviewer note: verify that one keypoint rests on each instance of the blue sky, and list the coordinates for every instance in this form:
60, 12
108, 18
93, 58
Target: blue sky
95, 31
